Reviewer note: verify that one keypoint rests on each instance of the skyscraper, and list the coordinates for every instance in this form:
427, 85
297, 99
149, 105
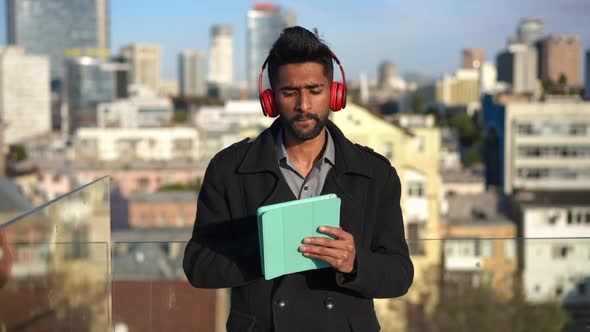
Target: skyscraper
561, 55
473, 58
221, 55
191, 66
386, 73
587, 86
488, 76
24, 94
265, 23
89, 81
53, 27
518, 66
530, 31
145, 61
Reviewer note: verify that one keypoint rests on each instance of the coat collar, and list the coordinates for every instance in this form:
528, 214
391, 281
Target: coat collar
261, 155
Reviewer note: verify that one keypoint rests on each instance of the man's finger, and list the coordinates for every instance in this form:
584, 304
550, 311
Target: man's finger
328, 259
327, 242
335, 231
323, 251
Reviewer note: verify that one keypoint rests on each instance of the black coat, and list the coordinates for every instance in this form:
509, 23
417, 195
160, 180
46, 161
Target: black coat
224, 250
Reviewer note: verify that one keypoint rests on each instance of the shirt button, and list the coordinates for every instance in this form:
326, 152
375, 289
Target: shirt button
305, 188
329, 303
281, 303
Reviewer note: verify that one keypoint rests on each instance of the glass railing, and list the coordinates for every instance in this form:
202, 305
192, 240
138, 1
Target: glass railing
151, 293
494, 285
55, 264
460, 285
61, 268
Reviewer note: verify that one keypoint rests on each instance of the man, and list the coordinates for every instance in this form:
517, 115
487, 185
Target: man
301, 155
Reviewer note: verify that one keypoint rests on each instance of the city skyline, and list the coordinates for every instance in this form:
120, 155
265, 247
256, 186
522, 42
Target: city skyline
426, 36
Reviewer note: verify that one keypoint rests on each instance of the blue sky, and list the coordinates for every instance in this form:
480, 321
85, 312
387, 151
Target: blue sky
419, 35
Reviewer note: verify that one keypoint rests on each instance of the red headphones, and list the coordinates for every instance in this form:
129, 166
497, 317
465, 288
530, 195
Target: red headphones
337, 93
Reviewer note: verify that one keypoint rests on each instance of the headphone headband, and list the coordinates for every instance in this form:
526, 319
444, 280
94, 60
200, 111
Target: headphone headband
261, 76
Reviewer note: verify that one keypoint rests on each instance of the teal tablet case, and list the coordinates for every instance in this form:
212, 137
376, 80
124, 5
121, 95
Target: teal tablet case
282, 228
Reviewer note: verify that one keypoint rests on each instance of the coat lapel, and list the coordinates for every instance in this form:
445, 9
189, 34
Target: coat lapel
349, 178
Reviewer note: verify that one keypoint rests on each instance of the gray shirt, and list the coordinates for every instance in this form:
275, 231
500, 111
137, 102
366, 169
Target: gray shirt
312, 185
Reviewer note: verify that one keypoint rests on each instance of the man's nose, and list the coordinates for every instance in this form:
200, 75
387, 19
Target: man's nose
304, 102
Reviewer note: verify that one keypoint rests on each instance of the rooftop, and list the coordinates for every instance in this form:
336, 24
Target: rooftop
165, 196
11, 197
475, 210
461, 176
553, 198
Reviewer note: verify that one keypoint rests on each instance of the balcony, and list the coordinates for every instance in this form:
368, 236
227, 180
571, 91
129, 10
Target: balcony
62, 268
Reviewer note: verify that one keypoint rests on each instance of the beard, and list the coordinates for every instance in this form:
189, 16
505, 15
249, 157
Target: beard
306, 133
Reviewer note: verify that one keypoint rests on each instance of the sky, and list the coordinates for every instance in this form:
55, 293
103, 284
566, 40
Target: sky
426, 36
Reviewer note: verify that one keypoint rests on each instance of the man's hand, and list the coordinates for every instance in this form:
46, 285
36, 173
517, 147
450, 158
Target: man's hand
339, 252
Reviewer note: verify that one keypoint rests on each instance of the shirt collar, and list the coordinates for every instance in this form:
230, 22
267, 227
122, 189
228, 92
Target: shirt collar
329, 152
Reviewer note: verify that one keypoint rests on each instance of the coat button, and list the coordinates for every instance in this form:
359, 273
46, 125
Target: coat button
329, 303
281, 303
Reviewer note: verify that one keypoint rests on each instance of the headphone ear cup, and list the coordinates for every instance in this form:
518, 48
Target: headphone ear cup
269, 105
337, 97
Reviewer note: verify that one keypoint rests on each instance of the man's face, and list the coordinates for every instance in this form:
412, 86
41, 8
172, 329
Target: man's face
303, 99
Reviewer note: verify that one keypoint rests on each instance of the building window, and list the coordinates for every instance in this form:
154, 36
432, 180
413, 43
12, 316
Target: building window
508, 283
562, 252
420, 144
416, 189
180, 220
143, 220
143, 184
449, 248
183, 144
415, 241
483, 248
161, 220
558, 290
578, 216
466, 248
388, 150
510, 250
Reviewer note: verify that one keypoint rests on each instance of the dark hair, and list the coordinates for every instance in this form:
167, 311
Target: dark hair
298, 45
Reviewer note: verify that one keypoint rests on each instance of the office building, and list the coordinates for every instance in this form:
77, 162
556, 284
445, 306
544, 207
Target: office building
59, 27
191, 73
25, 108
473, 58
541, 146
561, 58
587, 80
518, 66
221, 55
145, 61
88, 82
530, 31
265, 23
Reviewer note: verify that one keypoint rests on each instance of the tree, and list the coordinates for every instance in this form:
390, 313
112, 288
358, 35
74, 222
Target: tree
17, 153
472, 157
193, 186
417, 105
463, 307
180, 117
562, 80
467, 128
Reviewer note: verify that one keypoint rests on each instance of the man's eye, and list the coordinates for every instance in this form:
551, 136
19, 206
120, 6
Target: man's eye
316, 92
288, 94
